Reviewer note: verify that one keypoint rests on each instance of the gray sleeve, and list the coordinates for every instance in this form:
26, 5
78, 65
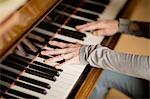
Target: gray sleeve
124, 25
103, 57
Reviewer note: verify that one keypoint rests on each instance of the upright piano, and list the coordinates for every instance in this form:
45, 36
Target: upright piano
23, 71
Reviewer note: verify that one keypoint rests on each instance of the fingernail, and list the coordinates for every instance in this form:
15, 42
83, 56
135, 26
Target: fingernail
50, 42
43, 53
58, 67
77, 26
45, 61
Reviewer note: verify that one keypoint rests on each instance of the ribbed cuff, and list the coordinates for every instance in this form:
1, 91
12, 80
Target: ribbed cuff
82, 55
124, 25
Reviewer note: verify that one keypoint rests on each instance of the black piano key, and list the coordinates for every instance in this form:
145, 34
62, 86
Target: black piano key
60, 8
93, 7
72, 34
3, 88
74, 3
36, 37
61, 61
16, 64
21, 84
9, 73
40, 74
48, 66
6, 96
22, 94
52, 17
28, 50
48, 27
65, 9
106, 2
87, 15
17, 60
46, 37
6, 79
52, 46
36, 82
60, 40
44, 70
44, 56
74, 22
34, 67
61, 19
21, 65
20, 57
13, 65
30, 87
36, 41
30, 80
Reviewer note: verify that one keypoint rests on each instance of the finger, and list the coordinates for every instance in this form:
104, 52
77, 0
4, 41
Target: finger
54, 59
61, 44
93, 26
61, 57
69, 61
58, 51
59, 66
84, 25
45, 52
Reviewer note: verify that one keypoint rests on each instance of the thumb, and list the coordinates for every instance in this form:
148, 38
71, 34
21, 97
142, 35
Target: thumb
100, 32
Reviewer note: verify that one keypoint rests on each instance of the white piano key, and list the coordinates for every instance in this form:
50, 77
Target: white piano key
63, 84
67, 69
74, 16
71, 68
68, 77
56, 87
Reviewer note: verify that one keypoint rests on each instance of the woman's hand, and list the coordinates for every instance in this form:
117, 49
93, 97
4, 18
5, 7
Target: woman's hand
68, 52
101, 27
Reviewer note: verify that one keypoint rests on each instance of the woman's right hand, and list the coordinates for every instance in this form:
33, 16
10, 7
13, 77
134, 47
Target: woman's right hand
101, 27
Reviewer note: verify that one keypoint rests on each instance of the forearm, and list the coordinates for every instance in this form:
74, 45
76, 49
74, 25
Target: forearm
102, 57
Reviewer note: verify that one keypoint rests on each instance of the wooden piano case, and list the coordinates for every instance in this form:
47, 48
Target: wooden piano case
28, 16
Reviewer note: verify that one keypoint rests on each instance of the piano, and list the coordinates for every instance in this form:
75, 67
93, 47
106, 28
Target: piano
23, 71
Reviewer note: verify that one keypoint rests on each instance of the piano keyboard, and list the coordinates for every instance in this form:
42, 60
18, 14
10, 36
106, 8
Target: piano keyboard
24, 73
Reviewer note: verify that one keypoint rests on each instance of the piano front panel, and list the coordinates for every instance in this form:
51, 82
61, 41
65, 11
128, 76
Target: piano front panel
27, 15
24, 73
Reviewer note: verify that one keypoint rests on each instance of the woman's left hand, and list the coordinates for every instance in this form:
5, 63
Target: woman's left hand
68, 52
